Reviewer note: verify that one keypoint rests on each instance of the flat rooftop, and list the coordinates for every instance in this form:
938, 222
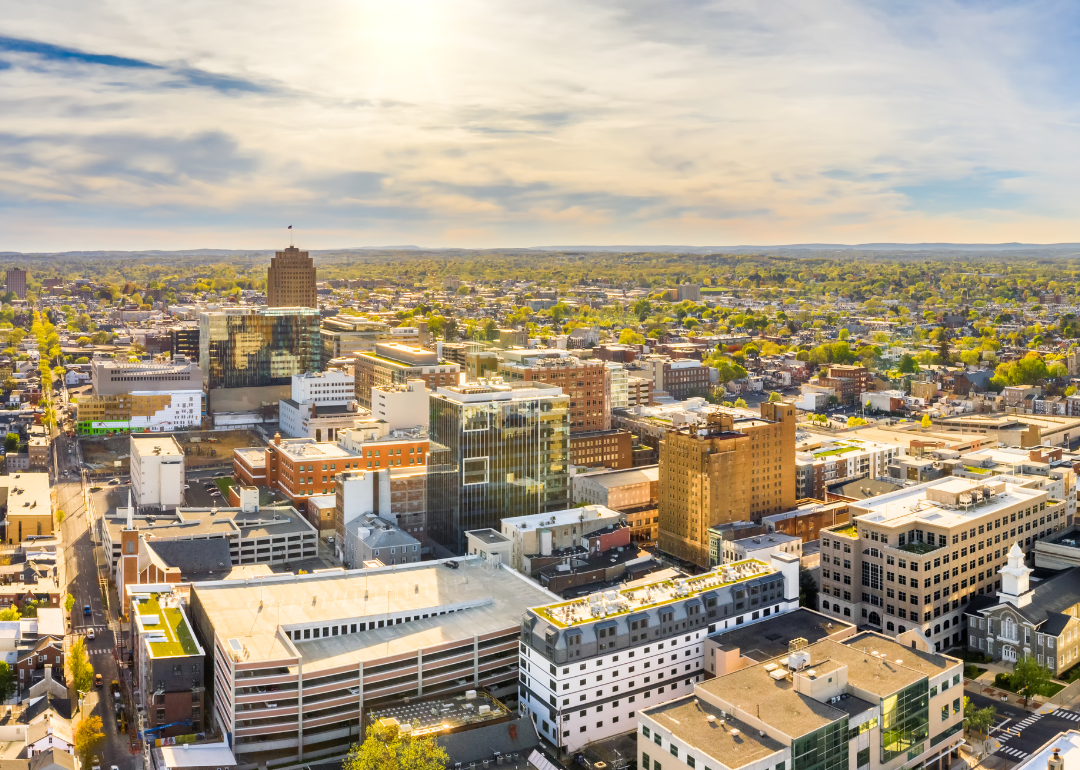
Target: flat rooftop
310, 449
917, 504
490, 600
611, 479
725, 738
201, 522
875, 664
650, 594
488, 536
149, 444
562, 518
768, 639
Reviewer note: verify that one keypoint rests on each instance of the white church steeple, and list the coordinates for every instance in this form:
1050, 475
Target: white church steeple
1015, 584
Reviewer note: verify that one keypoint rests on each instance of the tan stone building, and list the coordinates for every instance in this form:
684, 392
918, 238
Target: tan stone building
916, 557
392, 363
290, 281
732, 469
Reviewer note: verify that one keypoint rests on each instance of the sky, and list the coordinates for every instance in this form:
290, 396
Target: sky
145, 124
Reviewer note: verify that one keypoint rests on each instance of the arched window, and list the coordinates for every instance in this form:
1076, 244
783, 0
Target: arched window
937, 629
874, 619
890, 626
847, 611
901, 629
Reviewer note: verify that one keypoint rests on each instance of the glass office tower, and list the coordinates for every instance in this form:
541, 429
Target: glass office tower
496, 452
258, 347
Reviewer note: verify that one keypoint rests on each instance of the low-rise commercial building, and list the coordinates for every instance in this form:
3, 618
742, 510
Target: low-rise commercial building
26, 505
760, 547
543, 533
865, 702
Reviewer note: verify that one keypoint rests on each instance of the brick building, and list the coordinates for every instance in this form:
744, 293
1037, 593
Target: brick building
730, 469
583, 381
602, 449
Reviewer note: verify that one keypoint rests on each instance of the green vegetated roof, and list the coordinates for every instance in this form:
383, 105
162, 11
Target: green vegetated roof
973, 469
837, 451
171, 620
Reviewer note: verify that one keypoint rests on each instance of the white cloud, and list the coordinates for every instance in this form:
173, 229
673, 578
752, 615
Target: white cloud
531, 123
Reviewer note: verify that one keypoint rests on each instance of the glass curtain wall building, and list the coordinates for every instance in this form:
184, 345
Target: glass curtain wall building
496, 452
258, 347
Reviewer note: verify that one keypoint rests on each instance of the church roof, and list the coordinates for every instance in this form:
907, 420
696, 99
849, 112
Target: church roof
1049, 603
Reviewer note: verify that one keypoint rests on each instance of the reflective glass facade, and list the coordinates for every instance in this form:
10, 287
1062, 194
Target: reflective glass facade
905, 720
495, 459
823, 749
258, 347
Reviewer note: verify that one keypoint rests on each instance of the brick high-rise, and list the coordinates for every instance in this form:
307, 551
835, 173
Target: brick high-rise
290, 280
16, 281
730, 469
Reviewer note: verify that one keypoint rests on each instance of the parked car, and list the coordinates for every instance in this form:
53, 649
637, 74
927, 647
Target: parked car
98, 681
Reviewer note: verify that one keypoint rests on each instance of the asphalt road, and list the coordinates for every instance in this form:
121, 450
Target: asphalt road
81, 573
1016, 738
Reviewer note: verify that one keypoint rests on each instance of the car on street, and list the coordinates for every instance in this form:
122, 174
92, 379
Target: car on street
98, 681
91, 634
86, 609
114, 481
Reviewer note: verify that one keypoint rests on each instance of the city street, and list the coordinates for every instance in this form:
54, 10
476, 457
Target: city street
81, 575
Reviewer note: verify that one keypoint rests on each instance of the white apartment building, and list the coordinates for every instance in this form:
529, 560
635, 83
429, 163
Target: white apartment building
320, 405
330, 387
157, 471
617, 489
401, 406
588, 665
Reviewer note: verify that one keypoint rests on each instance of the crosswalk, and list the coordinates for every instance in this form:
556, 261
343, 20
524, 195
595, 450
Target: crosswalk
1066, 714
1011, 753
1016, 729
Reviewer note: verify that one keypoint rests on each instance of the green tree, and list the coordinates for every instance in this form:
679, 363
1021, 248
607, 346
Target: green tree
774, 397
926, 423
976, 718
11, 443
386, 749
855, 422
69, 603
740, 403
1030, 678
907, 364
491, 330
88, 738
631, 337
10, 613
7, 681
82, 673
